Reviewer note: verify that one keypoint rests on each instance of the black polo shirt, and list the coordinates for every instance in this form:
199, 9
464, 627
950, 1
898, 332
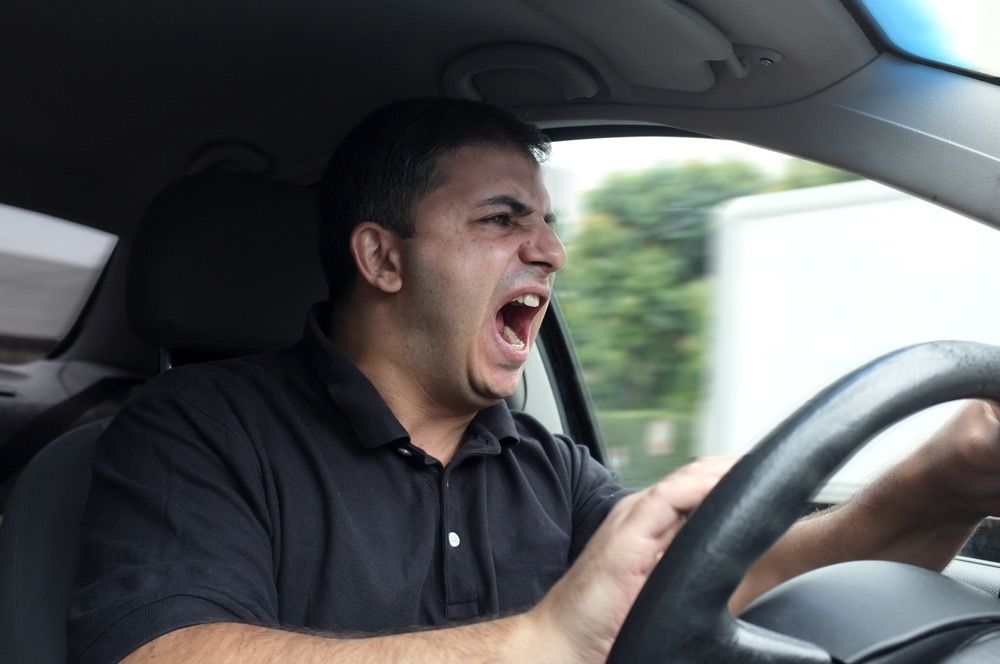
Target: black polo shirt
279, 489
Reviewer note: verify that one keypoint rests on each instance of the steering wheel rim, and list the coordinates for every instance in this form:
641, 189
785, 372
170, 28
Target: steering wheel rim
681, 614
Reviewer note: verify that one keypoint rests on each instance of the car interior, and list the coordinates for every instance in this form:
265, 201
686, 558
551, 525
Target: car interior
195, 134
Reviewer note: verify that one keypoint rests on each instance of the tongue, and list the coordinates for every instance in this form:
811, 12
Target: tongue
511, 337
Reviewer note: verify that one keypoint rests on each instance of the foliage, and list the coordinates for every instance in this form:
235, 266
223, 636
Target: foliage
627, 433
670, 206
800, 174
636, 291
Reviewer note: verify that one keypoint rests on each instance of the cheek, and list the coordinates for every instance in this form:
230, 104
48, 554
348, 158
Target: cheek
447, 300
456, 280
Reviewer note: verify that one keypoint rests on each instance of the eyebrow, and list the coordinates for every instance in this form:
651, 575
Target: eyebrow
516, 206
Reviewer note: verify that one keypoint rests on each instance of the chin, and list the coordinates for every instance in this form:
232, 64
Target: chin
493, 392
491, 397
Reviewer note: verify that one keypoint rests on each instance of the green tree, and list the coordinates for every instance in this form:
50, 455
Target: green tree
800, 174
636, 295
671, 206
634, 290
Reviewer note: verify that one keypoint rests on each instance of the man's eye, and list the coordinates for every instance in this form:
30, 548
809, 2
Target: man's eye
499, 219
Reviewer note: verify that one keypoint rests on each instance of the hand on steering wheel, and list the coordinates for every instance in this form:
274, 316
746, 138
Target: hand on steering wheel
681, 614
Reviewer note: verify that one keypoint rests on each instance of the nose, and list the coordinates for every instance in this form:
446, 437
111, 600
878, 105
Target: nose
543, 248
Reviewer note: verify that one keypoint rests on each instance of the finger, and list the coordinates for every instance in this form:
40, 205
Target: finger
717, 465
662, 508
657, 512
992, 410
684, 492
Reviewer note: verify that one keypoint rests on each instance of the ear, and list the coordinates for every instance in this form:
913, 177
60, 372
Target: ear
376, 254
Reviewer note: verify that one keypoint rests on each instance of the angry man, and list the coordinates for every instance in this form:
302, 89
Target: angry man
366, 495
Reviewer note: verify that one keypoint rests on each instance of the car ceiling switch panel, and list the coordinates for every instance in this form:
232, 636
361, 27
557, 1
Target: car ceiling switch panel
473, 75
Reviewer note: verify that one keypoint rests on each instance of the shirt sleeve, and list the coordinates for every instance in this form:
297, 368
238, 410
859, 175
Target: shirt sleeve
176, 530
595, 492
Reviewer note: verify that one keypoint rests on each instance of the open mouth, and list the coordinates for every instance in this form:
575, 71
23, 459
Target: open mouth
514, 319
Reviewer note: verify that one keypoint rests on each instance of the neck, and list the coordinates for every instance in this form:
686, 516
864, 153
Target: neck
432, 425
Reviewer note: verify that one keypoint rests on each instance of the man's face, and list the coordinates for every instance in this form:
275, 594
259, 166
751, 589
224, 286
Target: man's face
477, 275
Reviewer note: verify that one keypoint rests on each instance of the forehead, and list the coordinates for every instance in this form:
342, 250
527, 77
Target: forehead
472, 173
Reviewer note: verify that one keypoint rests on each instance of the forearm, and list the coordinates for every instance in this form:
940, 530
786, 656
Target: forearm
899, 517
504, 640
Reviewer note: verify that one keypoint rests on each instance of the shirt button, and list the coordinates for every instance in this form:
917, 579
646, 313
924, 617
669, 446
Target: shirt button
453, 539
405, 452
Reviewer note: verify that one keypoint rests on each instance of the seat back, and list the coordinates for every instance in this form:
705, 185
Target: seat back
222, 264
225, 264
39, 538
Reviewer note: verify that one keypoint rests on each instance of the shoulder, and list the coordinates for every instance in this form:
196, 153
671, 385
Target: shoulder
220, 396
590, 489
564, 456
531, 432
223, 379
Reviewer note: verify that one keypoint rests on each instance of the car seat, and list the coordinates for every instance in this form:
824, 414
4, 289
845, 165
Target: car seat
222, 265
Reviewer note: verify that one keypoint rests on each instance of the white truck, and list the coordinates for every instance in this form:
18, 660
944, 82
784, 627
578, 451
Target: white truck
811, 283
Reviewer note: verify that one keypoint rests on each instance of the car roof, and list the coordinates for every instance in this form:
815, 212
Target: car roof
106, 104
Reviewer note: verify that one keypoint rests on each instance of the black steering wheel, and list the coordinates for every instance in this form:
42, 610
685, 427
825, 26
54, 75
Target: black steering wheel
681, 614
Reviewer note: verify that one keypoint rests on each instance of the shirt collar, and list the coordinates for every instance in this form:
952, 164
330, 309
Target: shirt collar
352, 392
365, 409
496, 424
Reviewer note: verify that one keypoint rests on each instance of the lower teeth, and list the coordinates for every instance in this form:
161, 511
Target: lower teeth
511, 338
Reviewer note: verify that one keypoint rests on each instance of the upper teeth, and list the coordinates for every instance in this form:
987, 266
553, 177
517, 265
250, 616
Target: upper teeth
528, 300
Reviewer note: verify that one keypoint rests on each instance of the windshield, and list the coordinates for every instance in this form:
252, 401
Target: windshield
957, 33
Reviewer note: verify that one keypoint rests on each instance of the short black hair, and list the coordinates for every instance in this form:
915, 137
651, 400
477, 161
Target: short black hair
389, 161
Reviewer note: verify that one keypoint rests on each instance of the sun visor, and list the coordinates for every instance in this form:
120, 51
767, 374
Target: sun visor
659, 44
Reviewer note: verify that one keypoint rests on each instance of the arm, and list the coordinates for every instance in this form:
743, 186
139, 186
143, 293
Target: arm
577, 621
920, 512
498, 640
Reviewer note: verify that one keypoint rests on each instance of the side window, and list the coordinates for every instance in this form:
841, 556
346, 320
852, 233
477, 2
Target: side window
712, 288
47, 269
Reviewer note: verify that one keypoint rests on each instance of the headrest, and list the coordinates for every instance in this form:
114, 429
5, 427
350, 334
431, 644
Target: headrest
225, 263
